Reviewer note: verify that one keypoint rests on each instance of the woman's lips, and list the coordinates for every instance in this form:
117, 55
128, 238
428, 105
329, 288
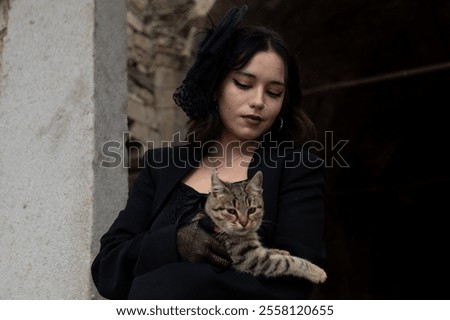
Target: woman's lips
252, 118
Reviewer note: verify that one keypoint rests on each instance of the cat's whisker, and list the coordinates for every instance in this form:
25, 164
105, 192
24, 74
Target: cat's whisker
222, 236
221, 232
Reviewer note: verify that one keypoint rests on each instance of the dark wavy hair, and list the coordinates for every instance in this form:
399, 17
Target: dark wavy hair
244, 43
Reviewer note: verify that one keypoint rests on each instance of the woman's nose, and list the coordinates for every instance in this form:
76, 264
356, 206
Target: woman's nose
260, 106
258, 100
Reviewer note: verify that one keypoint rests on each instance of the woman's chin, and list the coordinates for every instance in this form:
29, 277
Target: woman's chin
248, 135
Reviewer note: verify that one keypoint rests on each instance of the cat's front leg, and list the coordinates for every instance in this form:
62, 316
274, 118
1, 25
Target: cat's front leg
279, 251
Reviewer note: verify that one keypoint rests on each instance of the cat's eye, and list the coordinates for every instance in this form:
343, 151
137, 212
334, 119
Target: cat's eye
251, 210
231, 211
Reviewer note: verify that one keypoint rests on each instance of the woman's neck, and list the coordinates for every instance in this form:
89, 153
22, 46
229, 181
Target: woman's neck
230, 153
229, 148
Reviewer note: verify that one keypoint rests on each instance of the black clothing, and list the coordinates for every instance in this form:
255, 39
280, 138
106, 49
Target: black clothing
183, 204
140, 261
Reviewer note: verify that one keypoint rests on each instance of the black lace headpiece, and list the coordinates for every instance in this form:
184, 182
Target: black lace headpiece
195, 92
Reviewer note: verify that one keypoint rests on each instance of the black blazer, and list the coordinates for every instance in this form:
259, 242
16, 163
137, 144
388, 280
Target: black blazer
134, 263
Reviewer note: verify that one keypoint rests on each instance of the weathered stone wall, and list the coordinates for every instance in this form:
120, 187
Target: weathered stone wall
62, 96
160, 41
4, 8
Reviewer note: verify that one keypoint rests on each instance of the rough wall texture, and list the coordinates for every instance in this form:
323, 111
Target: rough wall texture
63, 84
160, 43
4, 8
110, 121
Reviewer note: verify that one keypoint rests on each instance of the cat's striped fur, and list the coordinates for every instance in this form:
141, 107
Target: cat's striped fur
237, 210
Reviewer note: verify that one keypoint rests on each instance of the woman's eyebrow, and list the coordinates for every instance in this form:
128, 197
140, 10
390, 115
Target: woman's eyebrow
251, 75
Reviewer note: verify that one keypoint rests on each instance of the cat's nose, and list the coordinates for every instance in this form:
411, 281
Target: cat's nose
243, 221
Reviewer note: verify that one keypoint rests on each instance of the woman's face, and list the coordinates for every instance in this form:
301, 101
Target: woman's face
250, 98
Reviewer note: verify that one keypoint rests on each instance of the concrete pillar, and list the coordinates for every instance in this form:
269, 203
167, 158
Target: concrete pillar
62, 96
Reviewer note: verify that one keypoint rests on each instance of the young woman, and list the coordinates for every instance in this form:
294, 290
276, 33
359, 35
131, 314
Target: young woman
243, 97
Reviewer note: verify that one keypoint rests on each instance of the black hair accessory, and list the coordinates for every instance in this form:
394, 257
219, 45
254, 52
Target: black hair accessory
195, 92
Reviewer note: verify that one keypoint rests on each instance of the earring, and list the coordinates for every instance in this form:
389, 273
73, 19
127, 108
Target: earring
281, 123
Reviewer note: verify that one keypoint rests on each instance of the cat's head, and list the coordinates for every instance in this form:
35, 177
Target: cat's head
236, 208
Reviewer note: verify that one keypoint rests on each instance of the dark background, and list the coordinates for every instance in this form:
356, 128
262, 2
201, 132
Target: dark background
376, 73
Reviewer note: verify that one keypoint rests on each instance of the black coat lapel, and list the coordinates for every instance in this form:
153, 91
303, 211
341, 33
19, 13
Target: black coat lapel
178, 161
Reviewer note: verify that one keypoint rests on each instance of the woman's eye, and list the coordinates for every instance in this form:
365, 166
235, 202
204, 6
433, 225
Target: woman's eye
275, 94
231, 211
251, 210
241, 85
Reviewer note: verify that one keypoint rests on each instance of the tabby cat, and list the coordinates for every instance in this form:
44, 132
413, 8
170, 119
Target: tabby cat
237, 210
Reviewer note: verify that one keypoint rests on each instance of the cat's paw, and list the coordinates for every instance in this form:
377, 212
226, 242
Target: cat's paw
317, 275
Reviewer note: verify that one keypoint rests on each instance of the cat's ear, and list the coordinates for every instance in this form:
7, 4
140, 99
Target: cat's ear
255, 184
217, 186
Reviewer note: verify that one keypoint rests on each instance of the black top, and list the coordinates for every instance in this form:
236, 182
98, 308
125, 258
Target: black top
183, 204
